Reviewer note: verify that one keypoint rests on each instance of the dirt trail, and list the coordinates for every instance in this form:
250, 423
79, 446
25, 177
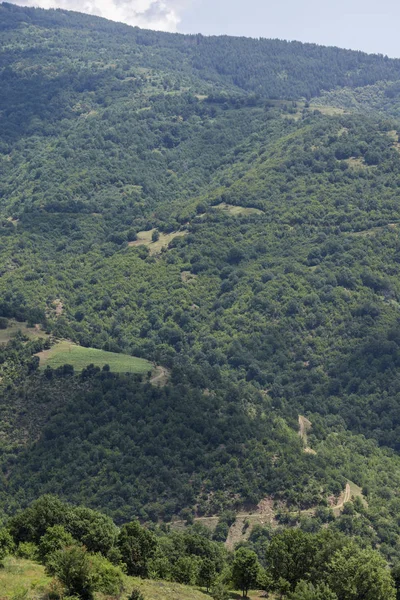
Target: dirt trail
345, 498
304, 427
59, 307
262, 515
160, 377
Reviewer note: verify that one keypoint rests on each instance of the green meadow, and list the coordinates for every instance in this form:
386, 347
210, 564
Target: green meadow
67, 353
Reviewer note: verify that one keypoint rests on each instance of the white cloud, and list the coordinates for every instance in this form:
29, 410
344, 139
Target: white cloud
151, 14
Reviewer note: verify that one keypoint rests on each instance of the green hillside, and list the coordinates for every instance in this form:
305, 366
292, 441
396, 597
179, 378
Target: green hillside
228, 210
27, 579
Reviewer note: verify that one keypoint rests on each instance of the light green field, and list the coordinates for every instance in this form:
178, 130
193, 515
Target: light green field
165, 590
144, 239
328, 110
26, 580
22, 579
237, 210
67, 353
14, 326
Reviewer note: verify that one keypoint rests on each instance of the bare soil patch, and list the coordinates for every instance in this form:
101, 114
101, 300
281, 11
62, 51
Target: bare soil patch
237, 210
144, 238
304, 427
187, 276
59, 307
160, 376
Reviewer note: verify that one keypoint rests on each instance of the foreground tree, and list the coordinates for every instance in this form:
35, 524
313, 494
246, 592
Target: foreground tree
137, 546
207, 573
290, 556
6, 544
72, 567
356, 574
55, 538
245, 570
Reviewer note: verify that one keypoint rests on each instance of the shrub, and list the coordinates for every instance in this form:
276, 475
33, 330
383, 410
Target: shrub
136, 595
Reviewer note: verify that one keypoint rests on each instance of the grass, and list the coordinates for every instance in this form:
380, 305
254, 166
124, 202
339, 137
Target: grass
325, 109
14, 326
67, 353
26, 580
22, 579
372, 231
355, 491
355, 163
144, 239
237, 210
165, 590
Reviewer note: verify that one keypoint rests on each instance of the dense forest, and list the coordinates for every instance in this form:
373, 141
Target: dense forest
227, 211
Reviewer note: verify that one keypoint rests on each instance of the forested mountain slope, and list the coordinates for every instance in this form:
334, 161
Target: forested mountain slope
219, 207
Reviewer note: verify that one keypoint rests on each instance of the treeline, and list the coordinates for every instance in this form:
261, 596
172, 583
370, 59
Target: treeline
274, 68
86, 553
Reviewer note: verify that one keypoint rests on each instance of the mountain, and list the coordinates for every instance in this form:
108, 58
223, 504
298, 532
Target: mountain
227, 210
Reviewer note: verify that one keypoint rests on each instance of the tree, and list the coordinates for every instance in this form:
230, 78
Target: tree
219, 591
290, 555
207, 573
155, 236
106, 578
396, 578
92, 528
245, 570
72, 567
185, 570
356, 574
306, 591
32, 523
55, 538
6, 543
137, 546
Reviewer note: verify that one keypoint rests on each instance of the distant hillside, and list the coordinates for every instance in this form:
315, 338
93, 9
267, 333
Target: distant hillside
227, 210
272, 68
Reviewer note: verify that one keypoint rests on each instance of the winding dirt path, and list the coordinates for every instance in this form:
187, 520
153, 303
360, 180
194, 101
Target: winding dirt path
160, 377
304, 427
346, 498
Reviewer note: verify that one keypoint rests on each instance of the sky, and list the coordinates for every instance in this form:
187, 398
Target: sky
369, 25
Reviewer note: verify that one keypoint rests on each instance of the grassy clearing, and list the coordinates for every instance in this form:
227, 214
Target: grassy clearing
144, 239
355, 163
14, 326
237, 210
373, 230
328, 110
20, 577
67, 353
187, 276
304, 428
25, 579
356, 491
164, 590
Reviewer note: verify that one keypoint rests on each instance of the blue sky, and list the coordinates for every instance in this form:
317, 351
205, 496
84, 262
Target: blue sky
367, 25
358, 24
